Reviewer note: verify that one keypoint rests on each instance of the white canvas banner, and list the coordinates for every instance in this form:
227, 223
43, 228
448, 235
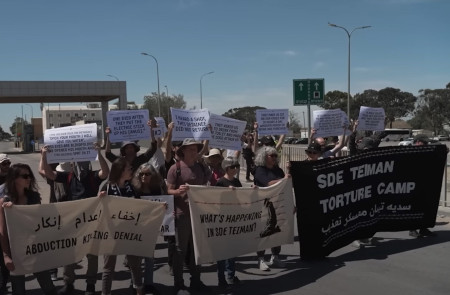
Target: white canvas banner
190, 124
272, 121
168, 223
128, 125
71, 143
371, 119
329, 122
226, 132
51, 235
227, 222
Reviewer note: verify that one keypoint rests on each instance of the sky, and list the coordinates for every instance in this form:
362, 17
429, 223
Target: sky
255, 48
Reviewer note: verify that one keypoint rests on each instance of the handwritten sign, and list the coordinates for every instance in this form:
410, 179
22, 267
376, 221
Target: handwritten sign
273, 121
190, 124
128, 125
228, 223
329, 122
50, 235
371, 119
226, 132
71, 143
161, 130
168, 224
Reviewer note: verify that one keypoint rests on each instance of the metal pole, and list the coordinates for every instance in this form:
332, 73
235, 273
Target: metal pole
201, 94
349, 35
167, 91
157, 77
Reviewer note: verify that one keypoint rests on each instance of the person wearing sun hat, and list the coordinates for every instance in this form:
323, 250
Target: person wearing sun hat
214, 160
187, 171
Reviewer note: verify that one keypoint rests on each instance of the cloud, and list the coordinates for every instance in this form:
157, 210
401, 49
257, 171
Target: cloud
290, 53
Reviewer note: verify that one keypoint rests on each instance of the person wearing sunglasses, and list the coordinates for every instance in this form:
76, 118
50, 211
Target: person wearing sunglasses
20, 189
267, 173
147, 181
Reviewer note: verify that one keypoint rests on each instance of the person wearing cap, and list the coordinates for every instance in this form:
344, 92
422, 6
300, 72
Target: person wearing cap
130, 149
81, 183
187, 171
214, 160
268, 173
313, 151
420, 140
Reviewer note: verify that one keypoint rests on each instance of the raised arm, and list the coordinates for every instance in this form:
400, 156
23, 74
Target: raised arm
104, 168
168, 142
44, 167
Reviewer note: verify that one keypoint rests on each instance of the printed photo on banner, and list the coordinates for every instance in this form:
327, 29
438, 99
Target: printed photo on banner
329, 122
190, 124
355, 197
50, 235
168, 224
71, 143
272, 121
161, 130
228, 223
226, 132
128, 125
372, 119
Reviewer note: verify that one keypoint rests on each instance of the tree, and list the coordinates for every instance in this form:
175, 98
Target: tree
17, 126
294, 123
433, 109
246, 114
335, 100
151, 103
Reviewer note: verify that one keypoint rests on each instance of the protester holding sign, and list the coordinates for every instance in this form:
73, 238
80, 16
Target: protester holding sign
268, 173
80, 183
214, 160
187, 171
20, 189
148, 182
119, 184
129, 150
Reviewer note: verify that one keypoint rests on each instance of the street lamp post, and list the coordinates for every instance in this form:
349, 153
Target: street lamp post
349, 34
167, 90
157, 77
201, 94
31, 107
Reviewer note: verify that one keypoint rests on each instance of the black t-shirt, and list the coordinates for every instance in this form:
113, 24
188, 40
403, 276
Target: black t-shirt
226, 182
87, 187
264, 175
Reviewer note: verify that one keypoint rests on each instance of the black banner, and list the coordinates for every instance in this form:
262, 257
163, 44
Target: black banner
386, 189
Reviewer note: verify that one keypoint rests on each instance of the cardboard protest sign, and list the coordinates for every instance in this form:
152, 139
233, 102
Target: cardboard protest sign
190, 124
226, 132
71, 143
371, 119
329, 122
272, 121
128, 125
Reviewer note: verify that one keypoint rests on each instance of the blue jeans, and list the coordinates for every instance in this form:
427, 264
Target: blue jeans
228, 266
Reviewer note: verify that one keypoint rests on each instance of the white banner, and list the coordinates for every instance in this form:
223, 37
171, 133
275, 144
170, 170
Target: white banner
329, 122
71, 143
190, 124
371, 119
226, 132
227, 222
51, 235
128, 125
168, 223
272, 121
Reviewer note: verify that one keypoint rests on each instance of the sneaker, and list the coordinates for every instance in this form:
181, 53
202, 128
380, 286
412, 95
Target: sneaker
234, 281
90, 289
66, 289
276, 262
200, 287
425, 232
150, 289
262, 265
54, 276
414, 234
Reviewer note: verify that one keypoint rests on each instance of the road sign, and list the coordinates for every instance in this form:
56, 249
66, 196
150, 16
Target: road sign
308, 91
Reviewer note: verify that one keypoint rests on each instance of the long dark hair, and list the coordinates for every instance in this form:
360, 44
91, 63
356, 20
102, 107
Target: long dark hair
10, 182
117, 168
156, 180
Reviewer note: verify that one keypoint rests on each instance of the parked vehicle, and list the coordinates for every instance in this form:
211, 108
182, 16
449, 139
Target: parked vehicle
441, 138
406, 142
302, 140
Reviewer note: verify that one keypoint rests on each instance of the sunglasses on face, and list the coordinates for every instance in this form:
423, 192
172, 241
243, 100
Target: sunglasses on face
235, 166
145, 174
25, 176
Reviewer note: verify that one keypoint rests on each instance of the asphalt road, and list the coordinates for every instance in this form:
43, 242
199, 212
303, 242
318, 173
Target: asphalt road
398, 264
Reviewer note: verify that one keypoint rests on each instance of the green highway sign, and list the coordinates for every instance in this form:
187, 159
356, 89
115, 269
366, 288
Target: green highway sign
308, 91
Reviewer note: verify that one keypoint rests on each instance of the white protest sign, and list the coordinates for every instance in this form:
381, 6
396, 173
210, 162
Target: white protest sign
274, 121
226, 132
329, 122
128, 125
228, 223
161, 130
371, 119
50, 235
190, 124
168, 224
71, 143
